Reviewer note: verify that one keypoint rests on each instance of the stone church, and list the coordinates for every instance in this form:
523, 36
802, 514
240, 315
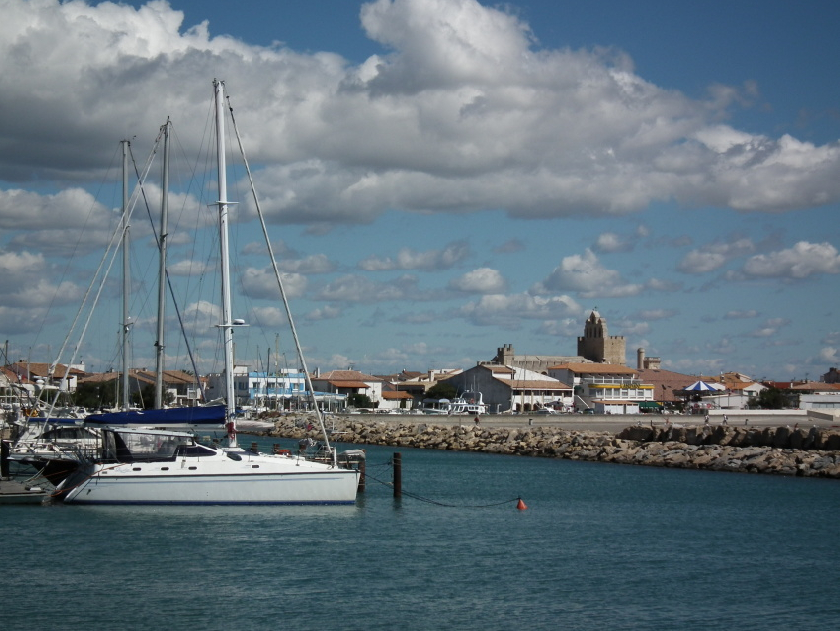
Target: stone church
598, 346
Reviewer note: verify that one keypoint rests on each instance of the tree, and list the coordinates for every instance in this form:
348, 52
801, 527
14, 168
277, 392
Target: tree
771, 399
359, 401
94, 395
442, 390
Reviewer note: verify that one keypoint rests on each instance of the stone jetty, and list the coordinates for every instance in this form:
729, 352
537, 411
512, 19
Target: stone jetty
772, 450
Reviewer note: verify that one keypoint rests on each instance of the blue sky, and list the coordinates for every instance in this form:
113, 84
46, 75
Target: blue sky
443, 177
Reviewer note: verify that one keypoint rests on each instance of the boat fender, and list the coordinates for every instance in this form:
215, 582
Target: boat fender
231, 430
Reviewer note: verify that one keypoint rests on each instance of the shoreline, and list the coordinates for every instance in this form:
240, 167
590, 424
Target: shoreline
613, 423
765, 446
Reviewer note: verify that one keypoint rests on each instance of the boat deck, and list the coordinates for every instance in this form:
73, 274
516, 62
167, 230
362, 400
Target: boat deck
15, 492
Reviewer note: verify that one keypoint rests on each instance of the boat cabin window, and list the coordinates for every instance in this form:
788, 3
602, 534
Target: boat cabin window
136, 447
193, 450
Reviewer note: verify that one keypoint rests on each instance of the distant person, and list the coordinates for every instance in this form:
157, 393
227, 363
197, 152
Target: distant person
746, 422
725, 420
477, 420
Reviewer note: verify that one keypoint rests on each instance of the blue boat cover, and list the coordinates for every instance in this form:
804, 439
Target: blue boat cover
206, 415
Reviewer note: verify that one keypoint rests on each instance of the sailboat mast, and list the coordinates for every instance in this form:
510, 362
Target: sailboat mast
125, 274
164, 229
227, 320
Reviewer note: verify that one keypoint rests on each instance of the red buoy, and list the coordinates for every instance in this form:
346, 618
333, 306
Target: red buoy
520, 505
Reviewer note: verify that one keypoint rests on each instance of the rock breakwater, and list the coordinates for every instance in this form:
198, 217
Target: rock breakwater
781, 451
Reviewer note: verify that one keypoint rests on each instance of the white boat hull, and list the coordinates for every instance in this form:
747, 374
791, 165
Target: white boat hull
255, 479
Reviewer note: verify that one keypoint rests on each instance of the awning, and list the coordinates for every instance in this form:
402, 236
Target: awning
649, 405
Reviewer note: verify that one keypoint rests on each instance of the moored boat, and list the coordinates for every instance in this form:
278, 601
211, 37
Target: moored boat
148, 466
144, 466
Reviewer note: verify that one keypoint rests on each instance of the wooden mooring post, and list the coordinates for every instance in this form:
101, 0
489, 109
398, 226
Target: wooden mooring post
5, 448
361, 487
397, 474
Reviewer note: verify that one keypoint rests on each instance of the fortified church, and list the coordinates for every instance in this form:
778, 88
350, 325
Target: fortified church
596, 345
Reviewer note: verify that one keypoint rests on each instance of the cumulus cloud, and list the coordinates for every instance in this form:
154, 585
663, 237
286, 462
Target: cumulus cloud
480, 281
584, 274
355, 288
770, 328
323, 313
188, 267
509, 247
314, 264
714, 256
262, 283
609, 242
465, 112
804, 259
507, 311
409, 259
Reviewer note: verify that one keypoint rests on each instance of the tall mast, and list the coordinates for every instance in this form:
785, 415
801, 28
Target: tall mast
164, 229
125, 274
227, 322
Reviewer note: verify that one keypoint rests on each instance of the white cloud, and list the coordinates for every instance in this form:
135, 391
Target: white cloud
262, 283
324, 313
830, 355
714, 256
314, 264
409, 259
12, 263
189, 267
802, 260
355, 288
585, 275
465, 113
509, 247
480, 281
508, 310
610, 242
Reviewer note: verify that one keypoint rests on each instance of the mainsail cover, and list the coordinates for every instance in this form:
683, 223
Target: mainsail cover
203, 415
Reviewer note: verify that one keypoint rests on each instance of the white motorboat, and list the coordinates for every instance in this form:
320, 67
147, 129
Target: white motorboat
147, 466
470, 402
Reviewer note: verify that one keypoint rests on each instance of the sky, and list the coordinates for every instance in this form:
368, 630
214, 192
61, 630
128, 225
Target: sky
439, 178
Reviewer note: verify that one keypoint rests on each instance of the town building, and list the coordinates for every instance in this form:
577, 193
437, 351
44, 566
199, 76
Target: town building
418, 384
348, 382
606, 388
283, 389
59, 376
512, 388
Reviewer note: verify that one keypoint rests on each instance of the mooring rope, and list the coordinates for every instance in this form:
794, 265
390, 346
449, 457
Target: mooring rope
435, 502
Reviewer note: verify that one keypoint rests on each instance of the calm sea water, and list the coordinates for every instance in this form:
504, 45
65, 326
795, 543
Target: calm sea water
600, 547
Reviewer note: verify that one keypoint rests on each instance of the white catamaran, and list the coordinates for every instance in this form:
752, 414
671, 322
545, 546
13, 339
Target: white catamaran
147, 466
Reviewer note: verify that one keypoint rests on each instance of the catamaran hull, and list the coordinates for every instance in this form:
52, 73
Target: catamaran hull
330, 487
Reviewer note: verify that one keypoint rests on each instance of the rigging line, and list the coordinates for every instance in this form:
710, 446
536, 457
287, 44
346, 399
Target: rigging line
114, 242
72, 257
307, 378
435, 502
159, 246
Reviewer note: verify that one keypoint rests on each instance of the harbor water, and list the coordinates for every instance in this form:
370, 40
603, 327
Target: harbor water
600, 546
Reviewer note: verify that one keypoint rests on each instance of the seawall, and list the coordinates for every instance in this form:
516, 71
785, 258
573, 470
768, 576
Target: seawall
810, 453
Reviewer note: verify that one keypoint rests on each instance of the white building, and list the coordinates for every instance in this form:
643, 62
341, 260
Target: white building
606, 388
513, 389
